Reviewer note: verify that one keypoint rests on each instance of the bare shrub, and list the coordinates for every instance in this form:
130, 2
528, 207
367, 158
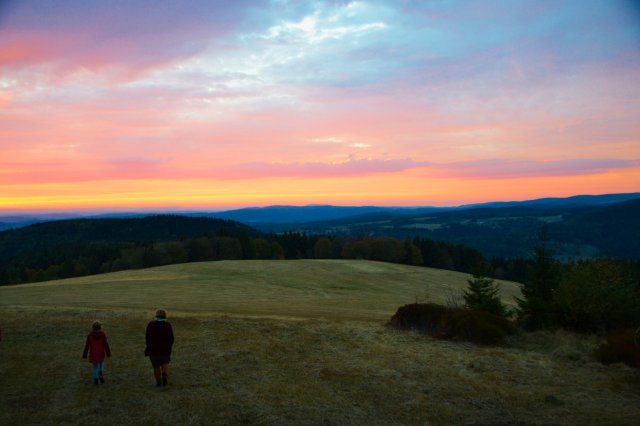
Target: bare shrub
453, 323
621, 346
480, 326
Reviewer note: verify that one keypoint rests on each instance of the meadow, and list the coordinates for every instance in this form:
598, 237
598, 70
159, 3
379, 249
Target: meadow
289, 342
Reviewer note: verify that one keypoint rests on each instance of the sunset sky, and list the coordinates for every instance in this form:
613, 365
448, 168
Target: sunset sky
132, 104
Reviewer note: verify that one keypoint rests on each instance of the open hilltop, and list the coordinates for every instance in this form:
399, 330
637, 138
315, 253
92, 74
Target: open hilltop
323, 289
289, 342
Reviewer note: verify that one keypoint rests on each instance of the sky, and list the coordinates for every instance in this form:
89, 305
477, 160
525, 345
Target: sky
140, 104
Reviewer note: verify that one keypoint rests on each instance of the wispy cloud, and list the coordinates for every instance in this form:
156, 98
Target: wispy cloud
97, 35
328, 140
351, 167
514, 168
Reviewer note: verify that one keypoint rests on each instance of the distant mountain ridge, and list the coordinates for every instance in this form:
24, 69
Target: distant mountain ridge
314, 213
311, 213
582, 226
574, 201
573, 230
278, 214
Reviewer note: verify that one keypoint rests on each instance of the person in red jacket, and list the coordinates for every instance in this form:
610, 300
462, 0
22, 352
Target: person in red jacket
159, 341
97, 347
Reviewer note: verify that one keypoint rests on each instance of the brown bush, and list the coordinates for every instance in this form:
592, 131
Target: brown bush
621, 346
419, 316
480, 327
453, 323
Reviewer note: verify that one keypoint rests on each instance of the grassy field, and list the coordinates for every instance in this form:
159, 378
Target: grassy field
289, 342
328, 289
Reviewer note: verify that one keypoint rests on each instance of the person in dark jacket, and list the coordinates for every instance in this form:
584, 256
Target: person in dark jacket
97, 347
159, 340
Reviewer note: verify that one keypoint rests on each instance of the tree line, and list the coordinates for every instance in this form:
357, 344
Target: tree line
582, 295
78, 258
595, 295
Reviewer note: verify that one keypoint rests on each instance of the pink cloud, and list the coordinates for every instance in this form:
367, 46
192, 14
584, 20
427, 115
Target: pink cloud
514, 168
352, 167
137, 168
23, 51
159, 169
125, 37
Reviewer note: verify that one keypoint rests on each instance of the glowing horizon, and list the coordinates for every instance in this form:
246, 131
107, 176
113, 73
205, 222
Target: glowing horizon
129, 105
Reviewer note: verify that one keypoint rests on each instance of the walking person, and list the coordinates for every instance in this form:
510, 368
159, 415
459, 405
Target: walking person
97, 347
159, 340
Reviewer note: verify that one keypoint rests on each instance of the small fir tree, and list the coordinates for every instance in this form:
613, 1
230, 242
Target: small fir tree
482, 294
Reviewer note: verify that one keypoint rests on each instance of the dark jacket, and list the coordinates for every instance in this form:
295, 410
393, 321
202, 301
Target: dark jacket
159, 338
97, 346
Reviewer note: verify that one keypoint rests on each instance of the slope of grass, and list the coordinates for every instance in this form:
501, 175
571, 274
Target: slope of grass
336, 289
290, 362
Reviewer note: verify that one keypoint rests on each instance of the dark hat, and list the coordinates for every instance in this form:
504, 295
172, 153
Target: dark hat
161, 314
96, 325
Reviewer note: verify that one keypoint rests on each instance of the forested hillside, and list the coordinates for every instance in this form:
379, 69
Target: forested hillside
573, 232
613, 231
72, 248
80, 247
66, 248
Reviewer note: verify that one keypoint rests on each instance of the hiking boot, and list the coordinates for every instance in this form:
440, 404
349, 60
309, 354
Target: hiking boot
165, 381
95, 382
158, 382
101, 379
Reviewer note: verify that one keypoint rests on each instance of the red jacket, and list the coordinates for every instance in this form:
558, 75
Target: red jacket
97, 346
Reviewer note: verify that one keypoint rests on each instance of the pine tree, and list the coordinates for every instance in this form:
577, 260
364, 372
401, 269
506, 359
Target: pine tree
537, 308
482, 294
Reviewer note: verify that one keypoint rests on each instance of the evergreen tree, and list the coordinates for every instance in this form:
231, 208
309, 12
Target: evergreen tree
537, 308
322, 248
412, 254
482, 294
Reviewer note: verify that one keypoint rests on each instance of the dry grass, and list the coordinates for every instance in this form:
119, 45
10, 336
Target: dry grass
285, 368
335, 289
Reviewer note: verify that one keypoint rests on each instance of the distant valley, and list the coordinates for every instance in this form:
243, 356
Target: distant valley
583, 226
572, 231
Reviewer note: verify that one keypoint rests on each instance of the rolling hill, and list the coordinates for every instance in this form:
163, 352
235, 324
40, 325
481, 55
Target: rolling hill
88, 246
78, 232
575, 231
329, 289
287, 343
